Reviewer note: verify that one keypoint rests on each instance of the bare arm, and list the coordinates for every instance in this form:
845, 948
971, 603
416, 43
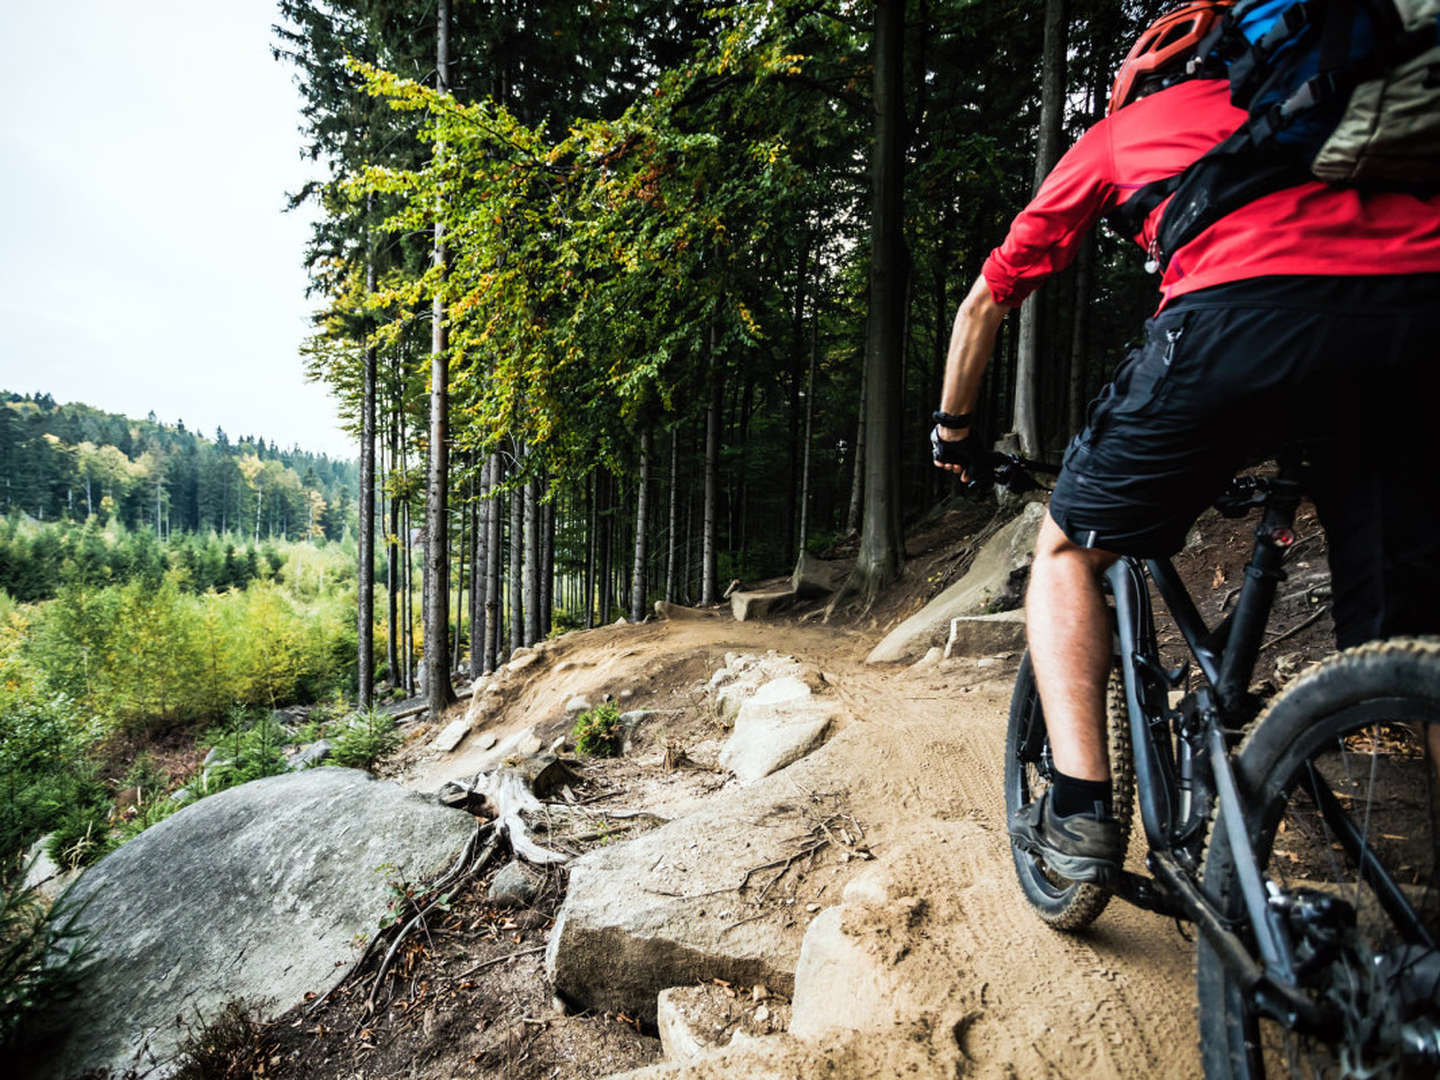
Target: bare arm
972, 341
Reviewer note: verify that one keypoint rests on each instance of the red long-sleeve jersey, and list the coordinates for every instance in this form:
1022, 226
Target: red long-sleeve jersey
1312, 228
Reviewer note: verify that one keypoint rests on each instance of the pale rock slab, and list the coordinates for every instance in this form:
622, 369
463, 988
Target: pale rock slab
977, 635
760, 605
768, 737
1007, 551
453, 735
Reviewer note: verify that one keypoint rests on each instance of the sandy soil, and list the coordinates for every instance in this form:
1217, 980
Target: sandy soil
921, 765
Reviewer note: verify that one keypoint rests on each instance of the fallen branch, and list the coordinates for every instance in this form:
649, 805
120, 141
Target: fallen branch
1296, 628
499, 960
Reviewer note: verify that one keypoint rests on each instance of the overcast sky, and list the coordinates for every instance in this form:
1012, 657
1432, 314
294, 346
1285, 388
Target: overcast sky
146, 147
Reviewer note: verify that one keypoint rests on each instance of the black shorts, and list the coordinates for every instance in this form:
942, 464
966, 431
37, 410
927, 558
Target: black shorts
1227, 375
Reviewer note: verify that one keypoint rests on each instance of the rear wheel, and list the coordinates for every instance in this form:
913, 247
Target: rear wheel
1064, 904
1340, 764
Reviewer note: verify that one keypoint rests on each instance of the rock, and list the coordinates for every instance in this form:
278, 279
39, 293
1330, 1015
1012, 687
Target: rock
620, 622
312, 755
484, 706
514, 885
1008, 550
43, 874
973, 635
485, 740
578, 704
693, 1020
660, 910
816, 577
986, 662
929, 660
678, 612
182, 795
629, 723
452, 736
626, 694
743, 675
215, 756
760, 605
256, 892
767, 737
780, 691
522, 659
522, 652
558, 745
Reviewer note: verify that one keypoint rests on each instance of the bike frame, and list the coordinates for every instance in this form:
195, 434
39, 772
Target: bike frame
1182, 757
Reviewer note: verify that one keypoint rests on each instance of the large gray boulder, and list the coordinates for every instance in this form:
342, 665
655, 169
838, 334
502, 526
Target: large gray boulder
987, 579
256, 893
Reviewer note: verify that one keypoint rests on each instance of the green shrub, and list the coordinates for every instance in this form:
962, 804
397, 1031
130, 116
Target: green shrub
43, 957
597, 732
252, 748
366, 740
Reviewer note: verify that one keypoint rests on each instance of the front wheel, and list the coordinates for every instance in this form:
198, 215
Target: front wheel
1064, 904
1342, 763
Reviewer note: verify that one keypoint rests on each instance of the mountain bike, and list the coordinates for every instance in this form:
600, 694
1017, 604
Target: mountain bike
1299, 835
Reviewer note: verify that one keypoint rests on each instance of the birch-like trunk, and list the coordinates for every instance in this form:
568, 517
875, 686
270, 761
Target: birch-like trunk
517, 541
642, 532
365, 615
670, 538
708, 568
532, 561
438, 692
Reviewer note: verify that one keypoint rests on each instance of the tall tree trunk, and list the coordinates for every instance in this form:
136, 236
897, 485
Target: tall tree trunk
804, 530
532, 561
670, 529
365, 616
881, 540
517, 542
607, 546
857, 464
479, 571
493, 595
547, 565
709, 555
438, 692
592, 499
1047, 152
392, 572
642, 535
460, 553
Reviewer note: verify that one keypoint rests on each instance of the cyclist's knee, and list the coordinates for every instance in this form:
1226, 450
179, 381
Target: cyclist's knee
1053, 547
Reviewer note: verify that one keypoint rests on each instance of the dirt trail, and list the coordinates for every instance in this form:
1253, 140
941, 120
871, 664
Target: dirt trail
923, 757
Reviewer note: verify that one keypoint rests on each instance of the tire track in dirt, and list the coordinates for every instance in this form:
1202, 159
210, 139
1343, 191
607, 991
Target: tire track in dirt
1116, 1000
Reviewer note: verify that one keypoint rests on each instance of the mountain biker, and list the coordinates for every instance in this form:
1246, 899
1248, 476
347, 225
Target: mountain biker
1312, 313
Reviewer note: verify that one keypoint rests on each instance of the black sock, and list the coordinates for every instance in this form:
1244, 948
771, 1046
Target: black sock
1071, 796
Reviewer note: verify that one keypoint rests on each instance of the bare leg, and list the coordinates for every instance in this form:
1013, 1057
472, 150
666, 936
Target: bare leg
1069, 634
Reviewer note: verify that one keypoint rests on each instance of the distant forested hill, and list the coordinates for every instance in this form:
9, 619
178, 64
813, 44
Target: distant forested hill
73, 461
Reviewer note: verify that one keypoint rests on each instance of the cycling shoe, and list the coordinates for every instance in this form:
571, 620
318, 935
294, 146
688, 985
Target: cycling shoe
1081, 847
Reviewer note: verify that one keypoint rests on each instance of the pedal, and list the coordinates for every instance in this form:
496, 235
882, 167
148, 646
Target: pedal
1144, 892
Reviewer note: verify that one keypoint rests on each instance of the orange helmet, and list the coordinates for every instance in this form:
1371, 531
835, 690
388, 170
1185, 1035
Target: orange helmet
1165, 46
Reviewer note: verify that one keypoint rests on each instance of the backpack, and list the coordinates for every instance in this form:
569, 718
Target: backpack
1345, 91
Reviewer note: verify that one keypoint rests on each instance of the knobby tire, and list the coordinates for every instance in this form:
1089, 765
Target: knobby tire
1063, 904
1358, 721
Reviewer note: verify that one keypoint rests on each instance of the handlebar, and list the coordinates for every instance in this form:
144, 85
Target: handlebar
1013, 472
